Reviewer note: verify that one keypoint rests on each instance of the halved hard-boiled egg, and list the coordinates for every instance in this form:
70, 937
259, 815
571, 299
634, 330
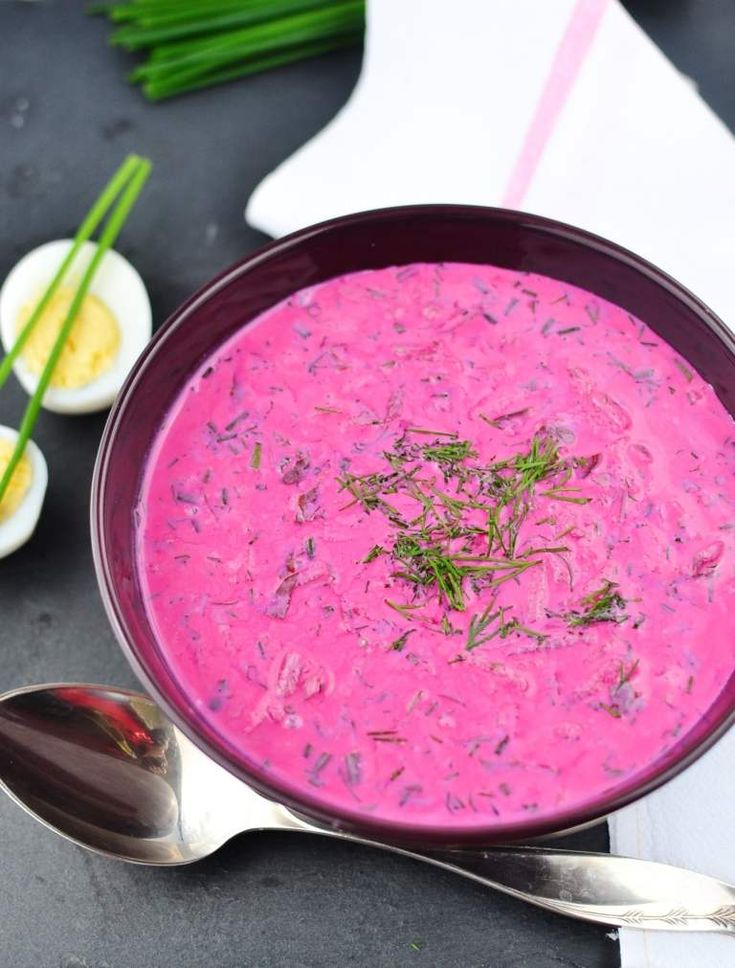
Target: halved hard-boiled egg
110, 331
21, 504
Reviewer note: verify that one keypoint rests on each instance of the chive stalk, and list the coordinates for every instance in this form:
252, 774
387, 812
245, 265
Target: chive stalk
193, 44
159, 90
135, 181
174, 27
253, 41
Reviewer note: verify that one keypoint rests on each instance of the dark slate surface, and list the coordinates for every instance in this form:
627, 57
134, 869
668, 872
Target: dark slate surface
66, 119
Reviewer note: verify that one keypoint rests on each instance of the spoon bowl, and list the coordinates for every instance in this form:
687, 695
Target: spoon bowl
106, 769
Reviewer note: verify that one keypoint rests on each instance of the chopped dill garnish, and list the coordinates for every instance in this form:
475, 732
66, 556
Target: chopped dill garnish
386, 736
500, 422
502, 744
449, 453
435, 433
603, 605
363, 490
625, 675
429, 566
255, 457
479, 625
446, 626
399, 643
375, 552
461, 536
567, 494
540, 463
515, 626
593, 311
404, 610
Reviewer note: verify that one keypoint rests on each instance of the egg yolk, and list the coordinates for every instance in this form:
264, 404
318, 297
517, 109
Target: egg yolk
90, 349
19, 482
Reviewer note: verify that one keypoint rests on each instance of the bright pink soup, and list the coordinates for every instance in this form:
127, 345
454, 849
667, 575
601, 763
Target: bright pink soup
276, 541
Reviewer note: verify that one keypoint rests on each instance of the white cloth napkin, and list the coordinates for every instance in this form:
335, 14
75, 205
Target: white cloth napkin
567, 109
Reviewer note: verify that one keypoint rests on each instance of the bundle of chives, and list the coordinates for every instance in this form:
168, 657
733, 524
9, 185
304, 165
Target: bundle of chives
125, 185
197, 43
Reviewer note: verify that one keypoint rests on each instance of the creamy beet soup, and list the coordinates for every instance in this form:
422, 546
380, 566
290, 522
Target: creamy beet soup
444, 544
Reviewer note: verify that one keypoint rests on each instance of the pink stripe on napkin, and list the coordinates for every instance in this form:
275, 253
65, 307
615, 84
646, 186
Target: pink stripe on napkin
569, 57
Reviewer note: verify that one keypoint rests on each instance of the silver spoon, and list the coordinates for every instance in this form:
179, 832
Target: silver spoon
106, 769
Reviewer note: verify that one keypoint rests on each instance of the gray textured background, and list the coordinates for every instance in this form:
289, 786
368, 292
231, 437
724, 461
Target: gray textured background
66, 120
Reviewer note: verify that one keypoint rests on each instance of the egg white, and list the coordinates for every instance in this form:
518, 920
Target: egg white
116, 283
18, 528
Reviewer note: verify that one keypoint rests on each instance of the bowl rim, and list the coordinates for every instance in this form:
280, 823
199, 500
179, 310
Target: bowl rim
673, 762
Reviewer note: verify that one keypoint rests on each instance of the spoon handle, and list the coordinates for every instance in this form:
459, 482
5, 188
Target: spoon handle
607, 889
604, 888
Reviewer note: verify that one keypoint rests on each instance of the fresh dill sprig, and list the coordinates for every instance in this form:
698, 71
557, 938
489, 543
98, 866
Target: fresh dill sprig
363, 491
625, 675
449, 453
375, 552
466, 531
539, 464
568, 494
427, 565
603, 605
515, 626
479, 624
405, 609
399, 643
446, 626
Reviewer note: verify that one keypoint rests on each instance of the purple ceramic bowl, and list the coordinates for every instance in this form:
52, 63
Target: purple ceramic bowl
427, 233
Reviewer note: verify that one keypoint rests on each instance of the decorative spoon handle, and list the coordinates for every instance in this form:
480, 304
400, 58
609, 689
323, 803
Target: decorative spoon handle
607, 889
620, 891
